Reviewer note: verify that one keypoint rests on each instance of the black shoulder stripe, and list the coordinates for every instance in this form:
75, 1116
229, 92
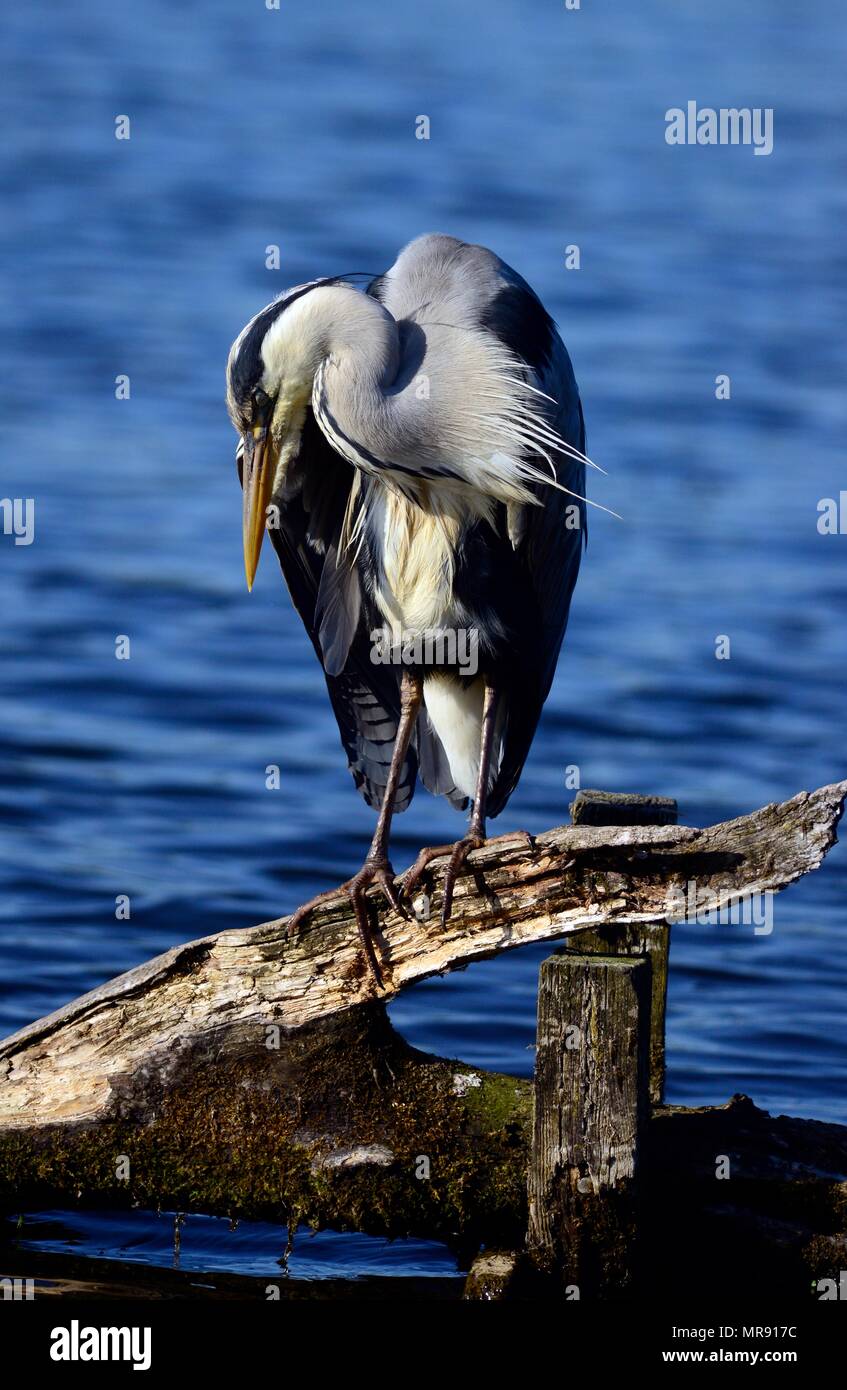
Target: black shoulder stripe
247, 369
518, 318
375, 288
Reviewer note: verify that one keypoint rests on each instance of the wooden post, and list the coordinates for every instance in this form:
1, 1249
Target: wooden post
591, 807
650, 942
600, 1065
591, 1105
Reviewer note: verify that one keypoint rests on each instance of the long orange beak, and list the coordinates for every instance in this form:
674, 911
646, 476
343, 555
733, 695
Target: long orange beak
257, 481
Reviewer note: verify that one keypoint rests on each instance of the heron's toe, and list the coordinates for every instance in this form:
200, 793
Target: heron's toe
381, 873
297, 918
458, 852
461, 850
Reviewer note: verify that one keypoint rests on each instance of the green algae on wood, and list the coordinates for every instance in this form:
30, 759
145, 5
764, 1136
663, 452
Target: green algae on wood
353, 1129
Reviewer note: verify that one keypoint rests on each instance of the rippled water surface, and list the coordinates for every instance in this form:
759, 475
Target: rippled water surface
250, 128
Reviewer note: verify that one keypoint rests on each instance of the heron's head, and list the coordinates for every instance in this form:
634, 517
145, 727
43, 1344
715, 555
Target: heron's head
270, 373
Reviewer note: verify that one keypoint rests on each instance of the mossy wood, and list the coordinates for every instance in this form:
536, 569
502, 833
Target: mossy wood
249, 1073
590, 1116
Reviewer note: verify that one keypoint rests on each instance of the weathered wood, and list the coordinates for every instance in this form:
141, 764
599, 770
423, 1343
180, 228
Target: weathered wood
493, 1276
254, 1075
343, 1125
652, 942
783, 1205
656, 942
219, 1000
592, 807
590, 1112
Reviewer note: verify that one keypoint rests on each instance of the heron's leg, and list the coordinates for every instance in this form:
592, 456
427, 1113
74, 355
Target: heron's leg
377, 866
476, 836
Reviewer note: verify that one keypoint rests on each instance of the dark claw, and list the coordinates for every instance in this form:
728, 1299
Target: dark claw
458, 854
356, 889
412, 877
372, 871
389, 888
298, 917
461, 850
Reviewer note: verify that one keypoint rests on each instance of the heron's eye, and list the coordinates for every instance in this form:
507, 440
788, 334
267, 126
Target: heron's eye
261, 409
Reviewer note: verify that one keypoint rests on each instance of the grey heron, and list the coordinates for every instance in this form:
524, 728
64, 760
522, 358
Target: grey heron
415, 450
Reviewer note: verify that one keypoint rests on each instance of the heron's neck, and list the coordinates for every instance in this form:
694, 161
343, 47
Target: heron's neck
358, 339
372, 397
360, 395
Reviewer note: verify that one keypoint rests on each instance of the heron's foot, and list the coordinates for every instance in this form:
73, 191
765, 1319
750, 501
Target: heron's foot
375, 870
458, 852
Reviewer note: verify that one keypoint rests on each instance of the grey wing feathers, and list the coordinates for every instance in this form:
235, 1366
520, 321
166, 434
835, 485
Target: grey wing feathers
552, 543
465, 284
469, 284
549, 550
338, 610
547, 543
327, 596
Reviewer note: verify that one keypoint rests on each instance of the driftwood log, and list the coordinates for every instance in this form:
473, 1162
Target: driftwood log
250, 1073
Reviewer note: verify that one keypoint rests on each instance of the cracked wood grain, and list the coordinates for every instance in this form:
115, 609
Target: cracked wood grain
215, 998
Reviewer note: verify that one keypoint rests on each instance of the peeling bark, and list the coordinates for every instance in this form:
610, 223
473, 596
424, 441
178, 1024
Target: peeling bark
217, 998
249, 1073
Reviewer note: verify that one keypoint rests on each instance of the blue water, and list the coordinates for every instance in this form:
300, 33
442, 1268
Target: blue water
196, 1243
250, 128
